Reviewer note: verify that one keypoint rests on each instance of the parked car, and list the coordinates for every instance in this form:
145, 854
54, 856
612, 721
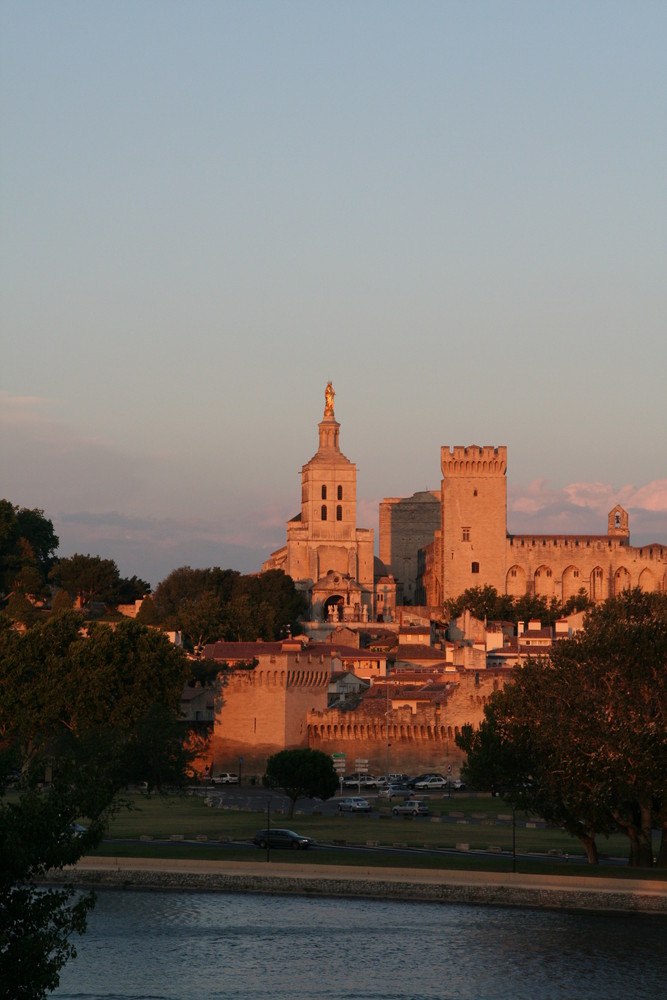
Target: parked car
282, 838
399, 791
225, 778
457, 785
359, 781
354, 804
413, 807
412, 782
433, 784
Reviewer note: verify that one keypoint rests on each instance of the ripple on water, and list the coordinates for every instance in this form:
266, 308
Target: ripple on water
198, 946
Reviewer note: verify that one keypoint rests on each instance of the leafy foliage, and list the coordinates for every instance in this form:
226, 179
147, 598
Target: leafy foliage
301, 773
27, 546
86, 578
93, 714
486, 603
215, 604
582, 738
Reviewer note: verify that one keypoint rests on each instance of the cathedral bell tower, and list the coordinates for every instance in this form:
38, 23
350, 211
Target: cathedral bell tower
329, 484
326, 555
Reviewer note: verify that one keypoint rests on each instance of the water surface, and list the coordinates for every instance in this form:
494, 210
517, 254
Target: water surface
199, 946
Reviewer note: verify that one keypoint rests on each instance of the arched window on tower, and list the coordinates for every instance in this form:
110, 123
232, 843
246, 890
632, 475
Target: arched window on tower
339, 513
324, 512
474, 568
324, 494
340, 492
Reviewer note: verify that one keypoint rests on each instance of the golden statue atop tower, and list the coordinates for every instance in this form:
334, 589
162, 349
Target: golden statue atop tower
329, 400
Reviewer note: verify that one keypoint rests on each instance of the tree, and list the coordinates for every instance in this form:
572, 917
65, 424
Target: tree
61, 601
20, 609
511, 756
86, 577
37, 532
95, 714
130, 589
589, 727
301, 774
486, 603
27, 546
210, 604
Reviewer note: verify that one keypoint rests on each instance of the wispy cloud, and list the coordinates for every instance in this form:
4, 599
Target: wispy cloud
583, 507
25, 411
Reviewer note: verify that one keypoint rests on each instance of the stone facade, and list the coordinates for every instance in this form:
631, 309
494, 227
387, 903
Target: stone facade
327, 556
472, 547
422, 725
267, 695
407, 524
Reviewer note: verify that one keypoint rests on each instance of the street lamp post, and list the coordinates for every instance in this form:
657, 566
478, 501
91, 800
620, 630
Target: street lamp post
387, 722
268, 829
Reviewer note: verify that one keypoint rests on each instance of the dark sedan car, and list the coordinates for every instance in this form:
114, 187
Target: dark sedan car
282, 838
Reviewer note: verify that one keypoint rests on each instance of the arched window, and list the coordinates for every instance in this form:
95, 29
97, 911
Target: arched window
324, 492
324, 512
474, 568
340, 492
339, 513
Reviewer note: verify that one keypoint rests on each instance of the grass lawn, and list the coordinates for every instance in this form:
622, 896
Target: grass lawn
479, 823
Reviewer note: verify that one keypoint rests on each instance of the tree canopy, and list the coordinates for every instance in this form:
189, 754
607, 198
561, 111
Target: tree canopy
88, 578
215, 604
486, 603
582, 737
91, 714
301, 774
27, 549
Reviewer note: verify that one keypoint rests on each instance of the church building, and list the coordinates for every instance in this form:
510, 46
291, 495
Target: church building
327, 555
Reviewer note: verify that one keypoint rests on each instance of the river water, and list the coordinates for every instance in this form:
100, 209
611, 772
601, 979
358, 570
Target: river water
199, 946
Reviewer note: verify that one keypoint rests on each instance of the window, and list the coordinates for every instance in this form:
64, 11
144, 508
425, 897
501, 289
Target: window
475, 568
339, 513
324, 495
466, 534
340, 492
324, 512
474, 493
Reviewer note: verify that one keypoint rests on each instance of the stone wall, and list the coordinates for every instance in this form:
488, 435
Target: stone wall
419, 738
264, 709
478, 888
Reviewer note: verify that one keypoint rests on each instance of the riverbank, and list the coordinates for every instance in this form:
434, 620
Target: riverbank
283, 878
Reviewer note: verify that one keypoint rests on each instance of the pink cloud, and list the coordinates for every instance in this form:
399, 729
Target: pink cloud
23, 411
582, 508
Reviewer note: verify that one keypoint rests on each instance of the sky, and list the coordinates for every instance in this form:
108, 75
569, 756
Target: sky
456, 211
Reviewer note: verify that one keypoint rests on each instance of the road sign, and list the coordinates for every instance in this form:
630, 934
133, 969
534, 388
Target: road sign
361, 765
449, 769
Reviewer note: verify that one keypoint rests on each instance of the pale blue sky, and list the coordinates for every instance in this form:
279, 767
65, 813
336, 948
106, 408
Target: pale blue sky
455, 211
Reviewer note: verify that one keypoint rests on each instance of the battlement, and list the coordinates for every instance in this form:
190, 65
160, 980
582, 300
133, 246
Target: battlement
466, 460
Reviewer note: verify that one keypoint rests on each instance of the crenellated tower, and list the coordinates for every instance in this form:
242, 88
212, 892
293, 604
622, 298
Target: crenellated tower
471, 542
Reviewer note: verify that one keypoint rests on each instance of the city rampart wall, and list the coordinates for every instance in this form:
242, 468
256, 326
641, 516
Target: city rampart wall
421, 736
264, 709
